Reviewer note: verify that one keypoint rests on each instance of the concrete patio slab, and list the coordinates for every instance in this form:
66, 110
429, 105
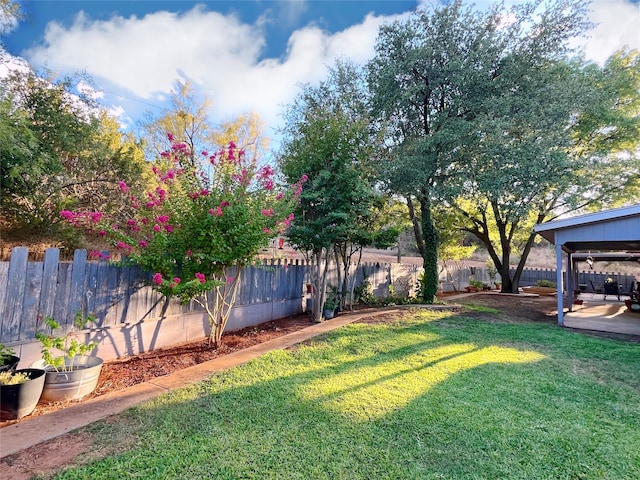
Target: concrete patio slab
603, 316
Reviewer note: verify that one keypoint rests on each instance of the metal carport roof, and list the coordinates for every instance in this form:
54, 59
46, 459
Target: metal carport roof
601, 235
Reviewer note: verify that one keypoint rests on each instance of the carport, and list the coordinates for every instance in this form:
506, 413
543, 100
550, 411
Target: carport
606, 235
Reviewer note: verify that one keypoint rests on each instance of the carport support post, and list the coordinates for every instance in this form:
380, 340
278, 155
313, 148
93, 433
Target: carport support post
559, 295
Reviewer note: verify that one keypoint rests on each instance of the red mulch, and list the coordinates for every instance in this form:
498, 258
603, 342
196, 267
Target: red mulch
123, 373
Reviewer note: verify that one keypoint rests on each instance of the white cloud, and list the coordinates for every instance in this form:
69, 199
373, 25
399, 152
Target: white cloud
145, 56
142, 57
89, 91
290, 11
618, 25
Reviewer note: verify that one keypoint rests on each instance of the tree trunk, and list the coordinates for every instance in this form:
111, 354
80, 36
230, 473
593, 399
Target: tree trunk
416, 226
430, 256
321, 268
523, 261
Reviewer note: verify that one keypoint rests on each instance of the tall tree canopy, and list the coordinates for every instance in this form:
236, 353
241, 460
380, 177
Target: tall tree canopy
327, 138
485, 112
58, 151
10, 13
188, 120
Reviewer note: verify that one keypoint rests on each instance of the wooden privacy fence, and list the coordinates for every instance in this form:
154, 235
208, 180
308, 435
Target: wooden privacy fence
114, 295
458, 277
118, 297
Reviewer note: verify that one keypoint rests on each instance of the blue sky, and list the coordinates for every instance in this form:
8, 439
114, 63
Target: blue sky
247, 55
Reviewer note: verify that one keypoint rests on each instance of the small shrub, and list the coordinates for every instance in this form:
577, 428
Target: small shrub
5, 353
363, 294
545, 283
70, 348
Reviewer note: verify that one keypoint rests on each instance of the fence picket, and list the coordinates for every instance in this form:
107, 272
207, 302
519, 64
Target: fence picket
15, 294
4, 280
31, 301
76, 294
61, 306
49, 284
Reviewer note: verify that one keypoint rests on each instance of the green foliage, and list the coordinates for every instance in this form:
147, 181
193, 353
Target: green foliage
546, 283
328, 137
332, 300
365, 296
198, 229
504, 127
59, 150
5, 353
476, 283
188, 121
363, 293
10, 11
55, 349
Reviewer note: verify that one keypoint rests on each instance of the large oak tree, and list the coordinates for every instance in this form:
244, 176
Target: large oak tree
490, 113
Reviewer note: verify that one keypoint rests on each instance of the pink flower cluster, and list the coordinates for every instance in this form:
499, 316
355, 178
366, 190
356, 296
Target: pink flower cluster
216, 212
81, 218
298, 186
160, 212
99, 255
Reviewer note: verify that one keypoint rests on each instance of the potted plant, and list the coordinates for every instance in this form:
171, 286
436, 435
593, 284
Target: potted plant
70, 372
8, 359
474, 285
20, 391
331, 303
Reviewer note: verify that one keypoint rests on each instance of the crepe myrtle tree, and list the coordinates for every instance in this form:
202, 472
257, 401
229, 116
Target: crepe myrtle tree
199, 228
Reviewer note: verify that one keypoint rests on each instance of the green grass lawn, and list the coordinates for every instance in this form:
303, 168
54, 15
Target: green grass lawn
434, 396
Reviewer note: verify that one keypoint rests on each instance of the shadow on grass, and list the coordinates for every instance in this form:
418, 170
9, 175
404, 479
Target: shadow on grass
419, 400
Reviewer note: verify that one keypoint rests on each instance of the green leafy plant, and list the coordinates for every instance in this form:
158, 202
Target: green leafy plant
362, 293
332, 299
66, 345
331, 303
545, 283
5, 353
12, 378
476, 283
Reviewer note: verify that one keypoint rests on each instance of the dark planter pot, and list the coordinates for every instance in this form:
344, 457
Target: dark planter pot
10, 364
328, 313
17, 401
72, 385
